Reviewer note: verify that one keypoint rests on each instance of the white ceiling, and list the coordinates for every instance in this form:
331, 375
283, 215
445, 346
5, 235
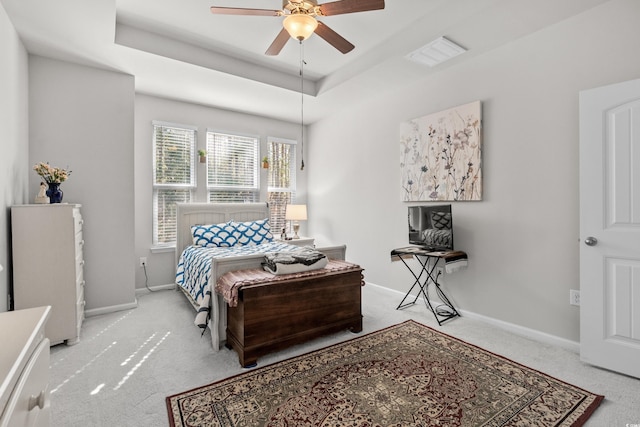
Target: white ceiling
178, 49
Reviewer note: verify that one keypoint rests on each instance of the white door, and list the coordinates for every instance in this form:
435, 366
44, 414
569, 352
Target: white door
610, 227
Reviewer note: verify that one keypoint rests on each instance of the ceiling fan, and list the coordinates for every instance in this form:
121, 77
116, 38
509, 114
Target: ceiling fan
300, 20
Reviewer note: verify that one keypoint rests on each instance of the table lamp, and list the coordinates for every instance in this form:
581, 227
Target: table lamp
296, 213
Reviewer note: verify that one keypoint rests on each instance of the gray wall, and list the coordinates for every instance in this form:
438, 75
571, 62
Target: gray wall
161, 263
14, 143
82, 118
523, 238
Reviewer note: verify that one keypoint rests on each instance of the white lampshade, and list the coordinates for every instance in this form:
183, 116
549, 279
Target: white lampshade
296, 213
300, 26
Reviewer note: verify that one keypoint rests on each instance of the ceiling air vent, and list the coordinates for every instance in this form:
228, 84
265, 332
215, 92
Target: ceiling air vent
436, 52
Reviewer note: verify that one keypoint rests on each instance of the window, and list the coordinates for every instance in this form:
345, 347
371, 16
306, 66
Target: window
174, 178
232, 174
232, 168
282, 180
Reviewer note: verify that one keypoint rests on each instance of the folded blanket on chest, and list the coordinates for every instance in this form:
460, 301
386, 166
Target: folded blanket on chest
230, 283
305, 259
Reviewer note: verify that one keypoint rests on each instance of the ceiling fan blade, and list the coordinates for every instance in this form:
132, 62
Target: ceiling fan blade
350, 6
242, 11
281, 39
333, 38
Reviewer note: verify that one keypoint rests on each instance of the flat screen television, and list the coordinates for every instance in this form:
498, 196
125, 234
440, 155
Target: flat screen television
431, 227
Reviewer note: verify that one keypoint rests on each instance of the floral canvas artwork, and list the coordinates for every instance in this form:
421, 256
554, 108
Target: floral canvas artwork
440, 155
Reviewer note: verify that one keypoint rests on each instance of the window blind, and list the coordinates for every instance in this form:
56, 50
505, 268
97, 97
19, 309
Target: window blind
174, 176
174, 159
282, 180
282, 160
165, 218
232, 167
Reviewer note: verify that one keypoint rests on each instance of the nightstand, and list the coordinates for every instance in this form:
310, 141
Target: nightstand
302, 241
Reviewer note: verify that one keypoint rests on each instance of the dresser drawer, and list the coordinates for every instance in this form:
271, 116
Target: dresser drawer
80, 312
29, 404
79, 242
80, 282
79, 265
78, 221
79, 318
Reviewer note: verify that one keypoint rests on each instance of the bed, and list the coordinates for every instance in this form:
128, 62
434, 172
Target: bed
224, 261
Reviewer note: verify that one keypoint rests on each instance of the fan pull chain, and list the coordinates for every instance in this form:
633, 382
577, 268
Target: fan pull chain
302, 104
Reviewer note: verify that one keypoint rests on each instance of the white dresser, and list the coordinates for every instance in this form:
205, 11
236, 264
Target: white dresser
24, 368
48, 265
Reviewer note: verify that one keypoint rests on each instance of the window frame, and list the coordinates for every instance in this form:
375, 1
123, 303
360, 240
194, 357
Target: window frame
251, 192
199, 189
158, 187
277, 213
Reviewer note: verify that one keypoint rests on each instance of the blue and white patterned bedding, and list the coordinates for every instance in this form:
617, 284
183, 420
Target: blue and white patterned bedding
194, 267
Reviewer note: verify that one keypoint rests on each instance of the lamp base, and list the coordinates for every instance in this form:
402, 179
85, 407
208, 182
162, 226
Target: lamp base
296, 228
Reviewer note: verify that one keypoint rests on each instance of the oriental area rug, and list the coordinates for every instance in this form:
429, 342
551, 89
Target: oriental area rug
402, 376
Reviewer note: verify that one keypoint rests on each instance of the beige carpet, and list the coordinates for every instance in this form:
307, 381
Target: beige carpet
404, 375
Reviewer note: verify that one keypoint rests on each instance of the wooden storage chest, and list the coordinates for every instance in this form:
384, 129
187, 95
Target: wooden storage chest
272, 316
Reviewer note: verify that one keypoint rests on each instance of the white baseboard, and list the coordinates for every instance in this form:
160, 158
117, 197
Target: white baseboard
129, 306
142, 291
526, 332
511, 327
110, 309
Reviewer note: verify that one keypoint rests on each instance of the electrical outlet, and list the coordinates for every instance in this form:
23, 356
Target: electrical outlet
143, 261
574, 297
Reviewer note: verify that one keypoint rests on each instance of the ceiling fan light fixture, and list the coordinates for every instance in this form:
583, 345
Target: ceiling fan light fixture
300, 26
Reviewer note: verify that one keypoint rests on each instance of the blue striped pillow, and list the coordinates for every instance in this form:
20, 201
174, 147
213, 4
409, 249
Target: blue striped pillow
215, 235
253, 232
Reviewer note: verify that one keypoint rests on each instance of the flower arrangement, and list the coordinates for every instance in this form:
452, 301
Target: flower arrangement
50, 174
